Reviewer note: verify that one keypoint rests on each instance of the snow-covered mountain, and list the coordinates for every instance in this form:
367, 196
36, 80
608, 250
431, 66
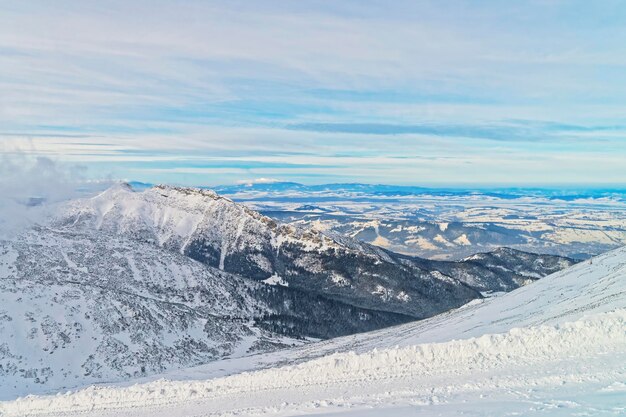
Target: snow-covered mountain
78, 308
128, 284
555, 347
229, 236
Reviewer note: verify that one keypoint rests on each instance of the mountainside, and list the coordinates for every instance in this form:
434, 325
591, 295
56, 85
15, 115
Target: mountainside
568, 295
555, 347
504, 269
220, 233
582, 290
77, 308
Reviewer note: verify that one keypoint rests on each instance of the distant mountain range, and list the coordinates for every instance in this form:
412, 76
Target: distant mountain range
450, 223
390, 190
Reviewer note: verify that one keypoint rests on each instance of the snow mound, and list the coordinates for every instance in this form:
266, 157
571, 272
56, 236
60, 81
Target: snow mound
600, 334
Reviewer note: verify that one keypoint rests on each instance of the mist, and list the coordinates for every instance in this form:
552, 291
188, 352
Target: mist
32, 187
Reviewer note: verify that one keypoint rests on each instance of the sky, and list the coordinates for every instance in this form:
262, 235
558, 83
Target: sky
450, 93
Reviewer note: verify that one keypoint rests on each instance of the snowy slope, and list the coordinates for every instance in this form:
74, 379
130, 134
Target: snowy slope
583, 289
84, 308
556, 347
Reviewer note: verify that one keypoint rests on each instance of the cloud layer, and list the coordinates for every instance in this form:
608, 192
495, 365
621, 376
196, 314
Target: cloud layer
417, 92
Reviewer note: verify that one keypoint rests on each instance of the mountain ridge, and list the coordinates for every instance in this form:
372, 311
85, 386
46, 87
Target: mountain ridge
223, 234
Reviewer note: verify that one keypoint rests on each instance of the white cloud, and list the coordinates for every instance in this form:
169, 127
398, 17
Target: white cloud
253, 181
30, 189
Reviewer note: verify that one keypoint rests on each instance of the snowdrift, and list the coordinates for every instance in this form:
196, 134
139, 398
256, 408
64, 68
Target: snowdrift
600, 334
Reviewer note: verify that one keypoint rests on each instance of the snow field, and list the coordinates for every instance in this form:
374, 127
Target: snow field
584, 342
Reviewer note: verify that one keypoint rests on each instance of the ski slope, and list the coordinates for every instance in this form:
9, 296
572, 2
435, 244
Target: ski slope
555, 347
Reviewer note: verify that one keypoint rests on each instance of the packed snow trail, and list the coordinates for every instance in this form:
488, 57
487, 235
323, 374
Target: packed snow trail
588, 352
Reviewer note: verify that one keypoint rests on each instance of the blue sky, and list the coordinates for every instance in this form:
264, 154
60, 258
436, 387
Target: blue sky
405, 92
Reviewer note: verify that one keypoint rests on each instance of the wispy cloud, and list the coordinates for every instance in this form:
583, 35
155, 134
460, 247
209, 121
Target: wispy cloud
348, 82
512, 131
